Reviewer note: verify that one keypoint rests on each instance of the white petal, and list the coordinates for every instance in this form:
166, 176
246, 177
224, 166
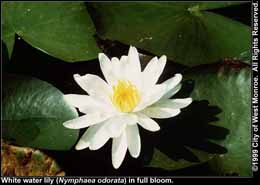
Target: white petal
155, 112
171, 84
133, 140
116, 125
85, 103
133, 118
94, 85
116, 68
130, 67
77, 100
123, 59
153, 71
151, 97
115, 61
84, 141
133, 59
99, 139
119, 148
148, 75
172, 92
173, 103
87, 120
120, 67
96, 136
147, 123
81, 145
107, 68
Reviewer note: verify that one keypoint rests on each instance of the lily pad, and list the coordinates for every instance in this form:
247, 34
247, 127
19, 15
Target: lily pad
33, 113
185, 32
24, 161
214, 128
227, 85
161, 160
60, 29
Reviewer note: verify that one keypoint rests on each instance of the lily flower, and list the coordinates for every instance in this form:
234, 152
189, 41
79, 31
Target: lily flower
127, 99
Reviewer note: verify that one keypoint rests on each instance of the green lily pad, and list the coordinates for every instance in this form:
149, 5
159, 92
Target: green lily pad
227, 85
60, 29
214, 128
245, 56
212, 5
33, 113
185, 32
161, 160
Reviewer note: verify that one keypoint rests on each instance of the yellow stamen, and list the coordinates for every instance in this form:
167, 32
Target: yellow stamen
125, 96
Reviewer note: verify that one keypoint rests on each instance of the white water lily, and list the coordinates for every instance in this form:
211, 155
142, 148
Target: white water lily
129, 97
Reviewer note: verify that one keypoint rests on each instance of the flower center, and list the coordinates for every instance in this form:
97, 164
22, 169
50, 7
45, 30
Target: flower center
125, 96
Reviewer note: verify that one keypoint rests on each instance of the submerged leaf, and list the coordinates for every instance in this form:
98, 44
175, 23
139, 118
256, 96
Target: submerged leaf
23, 161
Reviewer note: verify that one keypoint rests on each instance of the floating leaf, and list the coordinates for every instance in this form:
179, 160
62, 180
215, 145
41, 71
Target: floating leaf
227, 85
33, 113
214, 128
61, 29
161, 160
212, 5
182, 31
245, 56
